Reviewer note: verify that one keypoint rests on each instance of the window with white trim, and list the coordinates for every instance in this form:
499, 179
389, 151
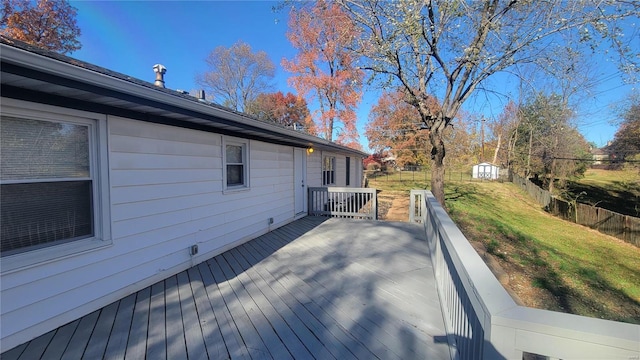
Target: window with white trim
328, 170
236, 164
48, 186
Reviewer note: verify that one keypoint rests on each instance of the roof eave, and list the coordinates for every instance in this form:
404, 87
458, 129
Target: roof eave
44, 64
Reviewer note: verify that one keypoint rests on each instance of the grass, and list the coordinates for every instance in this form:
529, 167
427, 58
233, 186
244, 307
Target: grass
615, 190
575, 269
557, 265
406, 180
402, 181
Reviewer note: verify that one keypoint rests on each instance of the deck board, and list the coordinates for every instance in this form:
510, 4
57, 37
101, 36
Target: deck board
60, 340
137, 342
236, 347
335, 289
37, 347
117, 344
287, 337
194, 339
100, 336
80, 339
176, 348
212, 336
156, 336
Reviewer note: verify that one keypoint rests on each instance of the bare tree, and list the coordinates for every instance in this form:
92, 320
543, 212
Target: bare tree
237, 75
448, 48
48, 24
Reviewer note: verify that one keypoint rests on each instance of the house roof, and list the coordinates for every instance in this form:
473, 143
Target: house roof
33, 74
600, 151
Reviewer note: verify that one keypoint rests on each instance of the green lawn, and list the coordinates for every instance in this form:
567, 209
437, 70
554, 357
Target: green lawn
570, 268
615, 190
577, 270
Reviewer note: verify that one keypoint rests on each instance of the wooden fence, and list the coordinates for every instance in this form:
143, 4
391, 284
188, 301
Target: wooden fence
623, 227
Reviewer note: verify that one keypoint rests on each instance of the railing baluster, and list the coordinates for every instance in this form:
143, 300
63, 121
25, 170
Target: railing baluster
352, 203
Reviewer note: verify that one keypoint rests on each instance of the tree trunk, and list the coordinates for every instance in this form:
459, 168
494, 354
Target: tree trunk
437, 170
511, 147
495, 153
552, 177
529, 156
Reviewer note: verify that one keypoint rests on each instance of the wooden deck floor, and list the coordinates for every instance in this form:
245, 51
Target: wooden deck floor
334, 289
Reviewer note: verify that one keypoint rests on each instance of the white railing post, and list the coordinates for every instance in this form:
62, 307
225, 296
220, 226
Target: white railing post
416, 201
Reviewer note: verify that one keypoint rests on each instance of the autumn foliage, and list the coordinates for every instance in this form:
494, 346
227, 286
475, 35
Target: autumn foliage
626, 142
394, 125
48, 24
324, 70
373, 161
286, 110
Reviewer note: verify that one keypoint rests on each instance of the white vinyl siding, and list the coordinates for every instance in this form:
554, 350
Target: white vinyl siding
314, 169
166, 194
161, 189
316, 175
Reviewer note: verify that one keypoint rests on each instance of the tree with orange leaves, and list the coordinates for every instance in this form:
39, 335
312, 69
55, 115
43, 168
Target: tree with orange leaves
324, 69
48, 24
394, 125
287, 110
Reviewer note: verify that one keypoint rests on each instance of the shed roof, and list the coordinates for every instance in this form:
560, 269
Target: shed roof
33, 74
487, 163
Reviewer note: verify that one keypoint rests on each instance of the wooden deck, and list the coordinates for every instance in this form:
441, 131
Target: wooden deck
334, 289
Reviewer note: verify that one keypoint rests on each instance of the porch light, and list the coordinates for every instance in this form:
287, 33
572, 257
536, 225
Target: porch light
310, 150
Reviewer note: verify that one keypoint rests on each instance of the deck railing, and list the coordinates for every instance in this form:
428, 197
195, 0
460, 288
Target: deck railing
484, 320
354, 203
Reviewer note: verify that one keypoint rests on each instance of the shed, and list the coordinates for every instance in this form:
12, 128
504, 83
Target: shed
486, 171
110, 184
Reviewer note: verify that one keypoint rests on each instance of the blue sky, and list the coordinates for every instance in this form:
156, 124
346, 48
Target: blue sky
131, 36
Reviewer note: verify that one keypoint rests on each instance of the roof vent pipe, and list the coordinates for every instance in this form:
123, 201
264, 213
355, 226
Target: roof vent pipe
200, 95
160, 70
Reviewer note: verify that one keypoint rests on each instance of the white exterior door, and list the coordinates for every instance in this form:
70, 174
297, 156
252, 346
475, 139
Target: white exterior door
299, 180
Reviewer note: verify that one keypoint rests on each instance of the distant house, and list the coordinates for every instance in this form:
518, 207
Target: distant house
486, 171
110, 184
601, 156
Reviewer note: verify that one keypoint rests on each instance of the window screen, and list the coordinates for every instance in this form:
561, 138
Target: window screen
46, 186
236, 165
328, 170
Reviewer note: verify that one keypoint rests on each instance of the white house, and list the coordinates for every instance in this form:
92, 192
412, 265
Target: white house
485, 171
110, 184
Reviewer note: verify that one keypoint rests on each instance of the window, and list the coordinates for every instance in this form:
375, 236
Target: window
48, 185
328, 170
348, 171
236, 168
